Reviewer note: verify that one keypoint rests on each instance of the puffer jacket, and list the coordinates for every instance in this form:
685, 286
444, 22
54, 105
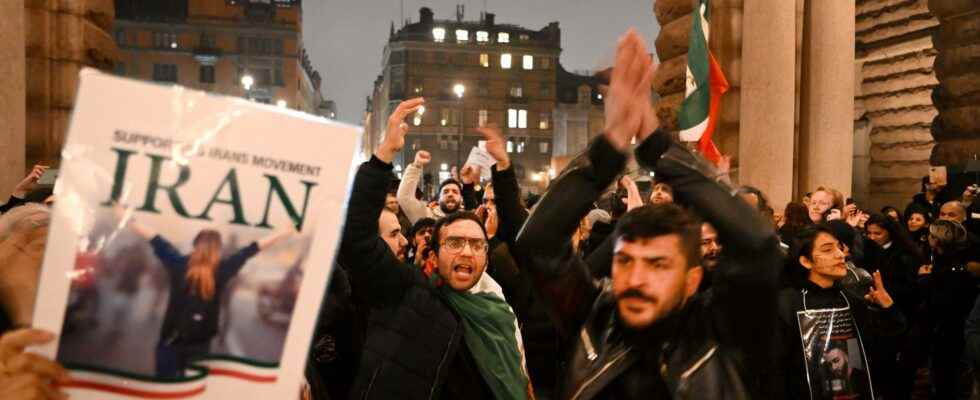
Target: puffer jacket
705, 349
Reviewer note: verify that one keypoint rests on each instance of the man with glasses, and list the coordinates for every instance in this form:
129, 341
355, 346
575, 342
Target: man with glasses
451, 335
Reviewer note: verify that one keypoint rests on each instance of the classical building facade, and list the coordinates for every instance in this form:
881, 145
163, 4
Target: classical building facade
472, 74
868, 96
212, 44
578, 117
44, 45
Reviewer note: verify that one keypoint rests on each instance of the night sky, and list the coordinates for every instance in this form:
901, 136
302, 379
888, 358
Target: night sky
345, 38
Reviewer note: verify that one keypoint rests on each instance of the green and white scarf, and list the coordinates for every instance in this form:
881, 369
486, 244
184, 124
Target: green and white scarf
493, 337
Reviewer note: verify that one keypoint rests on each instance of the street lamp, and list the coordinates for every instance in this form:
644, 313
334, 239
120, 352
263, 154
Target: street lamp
281, 103
247, 82
459, 89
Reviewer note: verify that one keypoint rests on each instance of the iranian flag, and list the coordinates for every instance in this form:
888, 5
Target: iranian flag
705, 84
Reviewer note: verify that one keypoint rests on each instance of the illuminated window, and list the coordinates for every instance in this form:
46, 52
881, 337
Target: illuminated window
528, 62
505, 61
543, 146
445, 117
439, 34
485, 60
512, 118
516, 90
510, 146
525, 37
483, 118
503, 37
522, 119
462, 35
545, 121
482, 36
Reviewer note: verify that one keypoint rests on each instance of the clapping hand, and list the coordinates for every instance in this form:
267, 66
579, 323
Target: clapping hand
394, 140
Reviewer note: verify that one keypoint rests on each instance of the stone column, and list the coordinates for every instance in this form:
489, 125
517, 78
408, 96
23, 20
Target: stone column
827, 100
957, 128
767, 101
12, 80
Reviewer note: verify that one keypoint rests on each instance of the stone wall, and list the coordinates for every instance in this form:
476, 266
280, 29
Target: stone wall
893, 98
62, 37
12, 97
957, 41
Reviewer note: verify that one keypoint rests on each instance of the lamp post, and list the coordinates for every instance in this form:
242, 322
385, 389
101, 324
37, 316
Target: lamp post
459, 89
247, 82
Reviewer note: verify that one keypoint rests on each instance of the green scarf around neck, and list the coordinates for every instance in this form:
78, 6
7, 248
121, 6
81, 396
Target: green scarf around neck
491, 334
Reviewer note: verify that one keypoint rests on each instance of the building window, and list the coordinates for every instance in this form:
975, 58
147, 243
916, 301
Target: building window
528, 62
277, 74
485, 60
482, 36
545, 90
544, 62
516, 90
454, 117
163, 40
462, 35
543, 146
482, 88
120, 69
525, 37
120, 37
503, 37
510, 146
483, 118
418, 89
516, 118
520, 146
545, 121
439, 35
207, 74
505, 61
445, 117
165, 72
207, 41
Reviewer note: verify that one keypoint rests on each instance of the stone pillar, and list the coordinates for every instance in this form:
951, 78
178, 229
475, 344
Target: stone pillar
12, 80
767, 110
674, 17
827, 99
957, 127
62, 37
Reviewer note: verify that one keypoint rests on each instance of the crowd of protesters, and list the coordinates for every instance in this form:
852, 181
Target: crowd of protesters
697, 290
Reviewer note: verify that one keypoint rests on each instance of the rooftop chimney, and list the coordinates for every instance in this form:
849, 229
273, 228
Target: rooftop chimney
488, 19
425, 16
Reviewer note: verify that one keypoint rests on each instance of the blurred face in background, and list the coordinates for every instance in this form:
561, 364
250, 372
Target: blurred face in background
662, 194
916, 221
820, 202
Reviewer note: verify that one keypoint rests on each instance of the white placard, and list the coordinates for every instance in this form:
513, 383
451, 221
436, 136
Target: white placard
183, 163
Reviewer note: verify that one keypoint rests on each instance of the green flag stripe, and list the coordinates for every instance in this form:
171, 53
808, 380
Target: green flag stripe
695, 107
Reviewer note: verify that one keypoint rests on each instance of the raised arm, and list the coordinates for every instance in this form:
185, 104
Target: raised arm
276, 237
414, 209
506, 190
745, 285
374, 270
469, 177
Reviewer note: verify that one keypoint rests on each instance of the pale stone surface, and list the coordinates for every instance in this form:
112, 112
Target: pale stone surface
13, 81
827, 103
767, 102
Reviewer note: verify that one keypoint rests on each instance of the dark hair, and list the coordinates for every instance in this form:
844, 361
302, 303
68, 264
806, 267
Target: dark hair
450, 181
420, 225
651, 221
451, 219
887, 209
918, 209
763, 201
796, 215
843, 231
897, 234
802, 246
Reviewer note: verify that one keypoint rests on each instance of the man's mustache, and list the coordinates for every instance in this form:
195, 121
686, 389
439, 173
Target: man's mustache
635, 293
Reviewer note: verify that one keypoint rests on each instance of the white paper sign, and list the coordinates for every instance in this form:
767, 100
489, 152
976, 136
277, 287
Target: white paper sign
198, 288
481, 158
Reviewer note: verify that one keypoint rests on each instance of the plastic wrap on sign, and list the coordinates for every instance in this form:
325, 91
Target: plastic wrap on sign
191, 241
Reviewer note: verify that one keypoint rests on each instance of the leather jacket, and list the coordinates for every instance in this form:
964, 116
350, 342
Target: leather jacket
706, 348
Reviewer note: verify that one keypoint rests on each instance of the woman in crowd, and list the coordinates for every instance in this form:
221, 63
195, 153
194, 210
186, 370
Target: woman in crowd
197, 281
949, 290
891, 212
917, 223
824, 203
898, 260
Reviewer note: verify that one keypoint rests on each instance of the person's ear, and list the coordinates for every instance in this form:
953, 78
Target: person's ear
806, 263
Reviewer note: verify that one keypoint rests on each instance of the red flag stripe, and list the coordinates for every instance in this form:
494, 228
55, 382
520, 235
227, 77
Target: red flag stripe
718, 85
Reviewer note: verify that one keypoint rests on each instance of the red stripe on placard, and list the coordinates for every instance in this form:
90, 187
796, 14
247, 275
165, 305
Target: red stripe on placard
242, 375
145, 394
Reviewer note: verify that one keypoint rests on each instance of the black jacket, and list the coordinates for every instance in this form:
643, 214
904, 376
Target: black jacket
414, 347
789, 380
191, 320
700, 351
